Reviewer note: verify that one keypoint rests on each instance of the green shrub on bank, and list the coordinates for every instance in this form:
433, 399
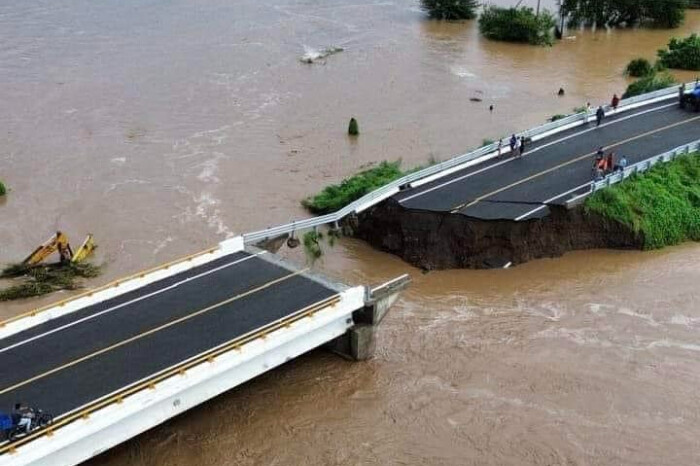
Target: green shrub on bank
337, 196
682, 54
44, 279
659, 13
639, 67
662, 204
450, 9
649, 83
517, 25
3, 190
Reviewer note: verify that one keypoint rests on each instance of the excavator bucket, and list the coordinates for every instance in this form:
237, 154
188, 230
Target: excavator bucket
84, 250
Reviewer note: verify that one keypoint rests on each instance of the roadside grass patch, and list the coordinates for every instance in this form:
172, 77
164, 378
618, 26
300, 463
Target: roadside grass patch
649, 83
663, 204
337, 196
44, 279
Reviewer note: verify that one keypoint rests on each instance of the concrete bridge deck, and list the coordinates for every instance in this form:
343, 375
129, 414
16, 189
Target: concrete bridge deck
117, 361
555, 168
68, 362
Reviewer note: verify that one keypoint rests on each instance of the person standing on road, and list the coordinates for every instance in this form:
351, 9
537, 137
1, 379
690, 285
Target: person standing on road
513, 144
599, 115
615, 102
600, 154
522, 146
620, 167
500, 147
588, 112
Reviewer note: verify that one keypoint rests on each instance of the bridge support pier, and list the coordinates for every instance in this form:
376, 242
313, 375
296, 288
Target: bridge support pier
358, 343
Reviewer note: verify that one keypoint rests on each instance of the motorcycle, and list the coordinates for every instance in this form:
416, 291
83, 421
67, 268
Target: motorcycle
10, 429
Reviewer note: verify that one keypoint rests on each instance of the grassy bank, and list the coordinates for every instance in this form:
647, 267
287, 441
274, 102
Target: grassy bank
337, 196
44, 279
662, 204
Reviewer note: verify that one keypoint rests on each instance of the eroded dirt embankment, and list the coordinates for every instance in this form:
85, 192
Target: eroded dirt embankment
433, 240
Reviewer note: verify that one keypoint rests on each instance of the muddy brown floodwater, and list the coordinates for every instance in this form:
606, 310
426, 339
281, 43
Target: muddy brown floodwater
164, 127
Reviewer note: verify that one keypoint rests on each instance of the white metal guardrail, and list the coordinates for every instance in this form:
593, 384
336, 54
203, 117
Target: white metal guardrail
392, 188
633, 169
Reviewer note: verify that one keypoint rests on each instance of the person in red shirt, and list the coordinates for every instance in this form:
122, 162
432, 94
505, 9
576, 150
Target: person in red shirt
615, 102
610, 162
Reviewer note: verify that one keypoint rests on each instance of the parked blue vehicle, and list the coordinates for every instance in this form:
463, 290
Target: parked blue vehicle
692, 99
10, 428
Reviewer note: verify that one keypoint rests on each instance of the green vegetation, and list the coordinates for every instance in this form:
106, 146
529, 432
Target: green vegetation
682, 54
312, 244
558, 116
517, 25
44, 279
450, 9
662, 204
639, 67
650, 83
659, 13
337, 196
3, 190
353, 128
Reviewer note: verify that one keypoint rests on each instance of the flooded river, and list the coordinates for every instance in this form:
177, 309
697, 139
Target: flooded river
164, 127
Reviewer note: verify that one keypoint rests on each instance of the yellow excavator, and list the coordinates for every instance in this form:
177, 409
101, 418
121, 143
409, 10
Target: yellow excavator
59, 242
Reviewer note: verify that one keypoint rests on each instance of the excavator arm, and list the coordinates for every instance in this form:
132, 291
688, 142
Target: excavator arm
59, 242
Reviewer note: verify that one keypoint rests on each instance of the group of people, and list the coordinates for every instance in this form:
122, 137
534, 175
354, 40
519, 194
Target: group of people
605, 164
517, 146
600, 113
23, 416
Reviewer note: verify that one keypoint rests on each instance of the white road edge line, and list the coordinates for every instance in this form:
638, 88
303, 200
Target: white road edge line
127, 303
550, 200
566, 138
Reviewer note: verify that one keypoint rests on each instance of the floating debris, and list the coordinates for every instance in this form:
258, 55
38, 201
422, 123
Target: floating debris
312, 56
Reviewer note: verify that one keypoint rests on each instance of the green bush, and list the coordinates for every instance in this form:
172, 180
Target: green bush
517, 25
661, 13
662, 204
312, 245
649, 83
639, 67
353, 127
450, 9
337, 196
682, 54
3, 190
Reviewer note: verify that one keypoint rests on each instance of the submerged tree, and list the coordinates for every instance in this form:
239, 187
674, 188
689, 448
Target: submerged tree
682, 54
662, 13
639, 67
450, 9
517, 25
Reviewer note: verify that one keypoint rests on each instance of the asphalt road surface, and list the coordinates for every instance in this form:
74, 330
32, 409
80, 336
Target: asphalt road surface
67, 362
555, 168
